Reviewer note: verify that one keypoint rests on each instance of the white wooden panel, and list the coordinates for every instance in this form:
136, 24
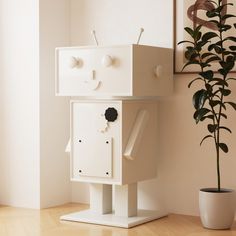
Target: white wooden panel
94, 156
143, 164
152, 71
128, 70
93, 76
100, 198
126, 200
99, 161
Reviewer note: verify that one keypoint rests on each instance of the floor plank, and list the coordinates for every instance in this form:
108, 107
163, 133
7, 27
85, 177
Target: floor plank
26, 222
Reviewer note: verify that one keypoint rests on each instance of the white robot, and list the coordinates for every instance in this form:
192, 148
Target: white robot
113, 124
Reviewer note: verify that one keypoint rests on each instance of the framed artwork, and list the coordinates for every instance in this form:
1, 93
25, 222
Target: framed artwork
191, 13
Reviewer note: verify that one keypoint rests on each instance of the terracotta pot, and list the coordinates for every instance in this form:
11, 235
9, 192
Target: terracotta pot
217, 209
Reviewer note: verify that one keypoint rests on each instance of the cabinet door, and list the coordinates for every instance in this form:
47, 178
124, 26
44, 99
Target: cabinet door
95, 136
94, 156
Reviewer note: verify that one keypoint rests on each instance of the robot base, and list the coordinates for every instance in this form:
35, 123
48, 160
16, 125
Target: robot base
88, 216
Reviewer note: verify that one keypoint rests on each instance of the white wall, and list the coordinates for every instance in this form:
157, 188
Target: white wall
54, 111
34, 124
119, 22
19, 99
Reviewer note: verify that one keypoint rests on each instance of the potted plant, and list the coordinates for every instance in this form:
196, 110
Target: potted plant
214, 48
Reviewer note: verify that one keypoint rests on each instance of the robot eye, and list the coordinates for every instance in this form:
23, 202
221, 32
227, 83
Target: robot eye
75, 62
111, 114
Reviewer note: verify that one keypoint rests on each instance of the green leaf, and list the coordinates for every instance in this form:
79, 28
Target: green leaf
185, 41
208, 88
219, 82
210, 47
223, 147
223, 72
211, 117
209, 35
197, 34
214, 58
207, 54
231, 38
223, 115
207, 74
225, 28
225, 128
211, 14
190, 55
208, 136
211, 128
232, 104
230, 79
189, 31
214, 103
226, 16
199, 98
218, 49
225, 92
233, 48
235, 25
200, 113
189, 85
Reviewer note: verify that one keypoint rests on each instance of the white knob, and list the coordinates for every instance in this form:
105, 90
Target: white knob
158, 71
107, 61
75, 62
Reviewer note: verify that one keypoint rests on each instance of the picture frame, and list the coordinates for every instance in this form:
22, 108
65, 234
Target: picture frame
181, 20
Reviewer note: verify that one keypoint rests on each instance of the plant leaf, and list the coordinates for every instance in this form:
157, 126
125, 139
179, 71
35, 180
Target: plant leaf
233, 48
211, 128
223, 147
199, 98
232, 104
209, 35
207, 54
207, 117
225, 92
189, 31
225, 128
184, 41
226, 16
207, 74
222, 114
214, 58
231, 38
208, 136
231, 79
200, 113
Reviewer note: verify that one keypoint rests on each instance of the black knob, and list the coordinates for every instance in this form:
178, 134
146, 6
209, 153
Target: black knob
111, 114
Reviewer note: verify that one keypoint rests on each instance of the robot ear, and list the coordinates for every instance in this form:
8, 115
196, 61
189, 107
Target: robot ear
111, 114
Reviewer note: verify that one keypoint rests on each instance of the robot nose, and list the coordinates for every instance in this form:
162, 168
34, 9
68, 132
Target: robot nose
111, 114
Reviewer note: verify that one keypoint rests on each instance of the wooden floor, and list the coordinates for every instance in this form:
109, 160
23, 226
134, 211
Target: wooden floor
24, 222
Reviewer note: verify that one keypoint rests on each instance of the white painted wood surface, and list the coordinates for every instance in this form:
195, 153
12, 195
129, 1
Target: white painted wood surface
126, 70
125, 200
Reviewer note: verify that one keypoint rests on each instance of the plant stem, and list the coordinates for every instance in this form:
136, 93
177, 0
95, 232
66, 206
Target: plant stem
218, 162
219, 116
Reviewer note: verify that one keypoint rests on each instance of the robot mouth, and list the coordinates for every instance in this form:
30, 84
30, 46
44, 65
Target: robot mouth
93, 84
91, 81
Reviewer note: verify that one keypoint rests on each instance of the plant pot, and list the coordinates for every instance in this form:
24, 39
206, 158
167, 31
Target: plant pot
217, 209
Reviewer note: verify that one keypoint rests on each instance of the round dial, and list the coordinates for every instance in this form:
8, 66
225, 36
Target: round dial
111, 114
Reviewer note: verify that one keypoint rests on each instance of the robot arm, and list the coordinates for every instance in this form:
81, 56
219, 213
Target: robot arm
136, 135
